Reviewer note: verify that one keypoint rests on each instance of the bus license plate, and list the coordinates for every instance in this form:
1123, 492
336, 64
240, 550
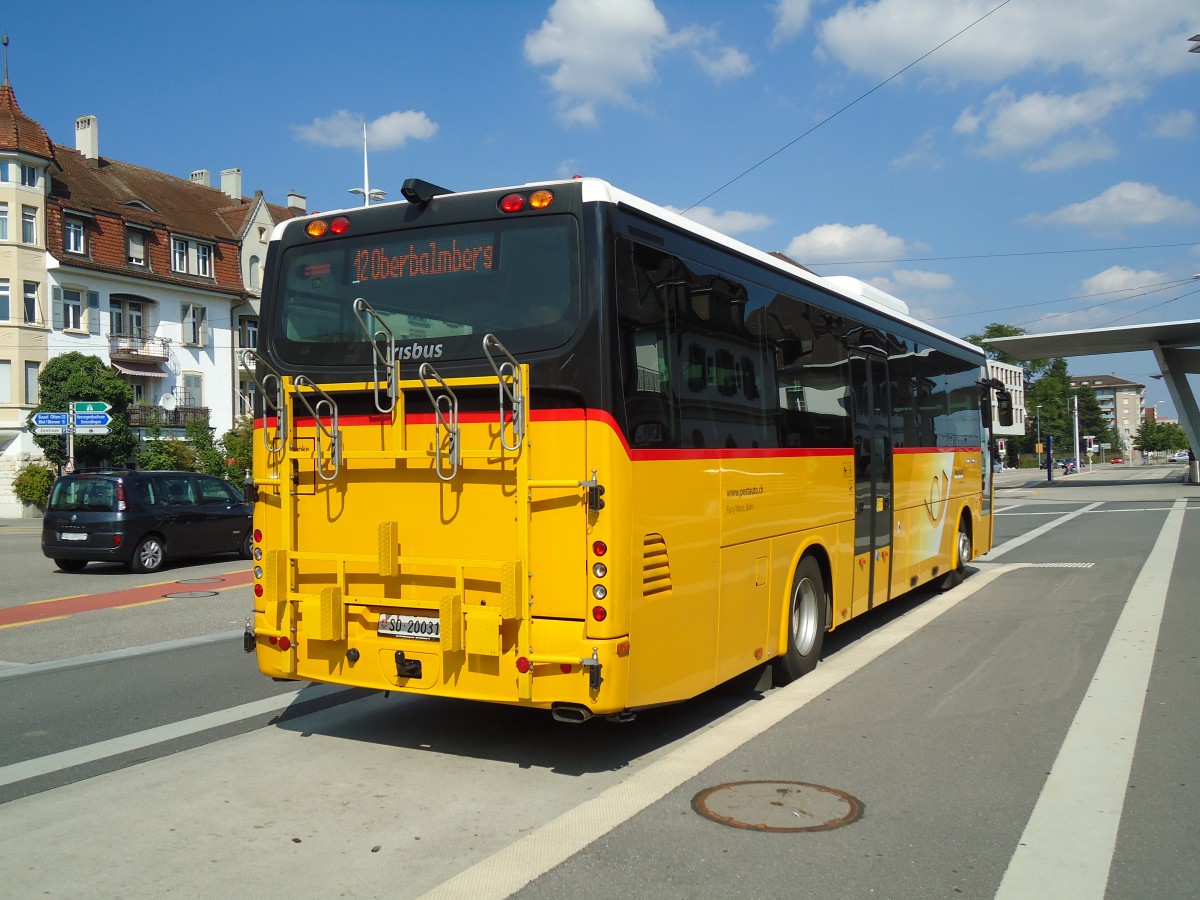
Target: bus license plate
421, 628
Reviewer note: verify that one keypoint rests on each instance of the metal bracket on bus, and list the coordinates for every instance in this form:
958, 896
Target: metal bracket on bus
512, 388
272, 398
595, 490
592, 664
445, 411
375, 328
332, 433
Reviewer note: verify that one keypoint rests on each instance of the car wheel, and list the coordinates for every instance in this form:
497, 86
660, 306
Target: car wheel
71, 565
805, 623
149, 555
248, 545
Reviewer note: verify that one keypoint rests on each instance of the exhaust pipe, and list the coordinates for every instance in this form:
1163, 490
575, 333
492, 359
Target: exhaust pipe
570, 713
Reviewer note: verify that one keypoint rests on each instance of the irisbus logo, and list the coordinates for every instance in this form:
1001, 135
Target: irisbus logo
419, 351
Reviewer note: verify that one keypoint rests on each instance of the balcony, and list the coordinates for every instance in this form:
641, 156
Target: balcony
180, 416
138, 346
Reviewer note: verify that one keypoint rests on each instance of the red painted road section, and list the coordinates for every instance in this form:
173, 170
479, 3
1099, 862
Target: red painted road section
51, 609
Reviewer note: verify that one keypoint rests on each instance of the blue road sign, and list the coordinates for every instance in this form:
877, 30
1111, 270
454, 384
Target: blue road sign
92, 419
50, 418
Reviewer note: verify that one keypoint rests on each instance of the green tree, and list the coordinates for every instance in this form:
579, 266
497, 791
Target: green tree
1033, 367
237, 446
78, 376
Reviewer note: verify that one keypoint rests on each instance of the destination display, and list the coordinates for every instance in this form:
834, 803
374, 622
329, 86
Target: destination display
426, 259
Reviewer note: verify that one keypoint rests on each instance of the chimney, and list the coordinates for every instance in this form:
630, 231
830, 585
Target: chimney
231, 183
202, 177
87, 137
297, 201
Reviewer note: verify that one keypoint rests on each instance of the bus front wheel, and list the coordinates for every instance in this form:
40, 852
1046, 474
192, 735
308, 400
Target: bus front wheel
962, 556
806, 623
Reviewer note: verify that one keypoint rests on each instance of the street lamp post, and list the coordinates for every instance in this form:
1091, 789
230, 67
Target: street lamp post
1039, 429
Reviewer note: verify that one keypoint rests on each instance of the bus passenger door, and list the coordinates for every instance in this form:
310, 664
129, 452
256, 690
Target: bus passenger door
872, 479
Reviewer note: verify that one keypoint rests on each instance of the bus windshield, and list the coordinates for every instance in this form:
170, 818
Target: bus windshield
442, 287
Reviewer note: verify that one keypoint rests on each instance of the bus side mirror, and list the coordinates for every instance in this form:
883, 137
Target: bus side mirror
1004, 408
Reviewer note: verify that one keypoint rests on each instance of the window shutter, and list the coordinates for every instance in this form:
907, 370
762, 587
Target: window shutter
57, 312
93, 311
203, 326
189, 312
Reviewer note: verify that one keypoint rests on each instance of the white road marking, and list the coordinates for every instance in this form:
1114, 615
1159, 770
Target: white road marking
510, 869
996, 552
1067, 847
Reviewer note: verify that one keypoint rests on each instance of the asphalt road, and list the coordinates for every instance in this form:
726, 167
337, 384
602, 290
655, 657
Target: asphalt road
1031, 733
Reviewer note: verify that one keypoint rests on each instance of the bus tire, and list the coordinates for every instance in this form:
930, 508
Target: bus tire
806, 623
962, 556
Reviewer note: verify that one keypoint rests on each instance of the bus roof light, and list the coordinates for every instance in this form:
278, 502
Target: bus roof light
316, 228
541, 199
340, 225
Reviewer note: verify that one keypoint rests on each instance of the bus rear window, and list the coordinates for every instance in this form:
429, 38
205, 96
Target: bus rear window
517, 279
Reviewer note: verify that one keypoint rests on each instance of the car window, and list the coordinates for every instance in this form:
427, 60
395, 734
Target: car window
213, 490
175, 490
84, 494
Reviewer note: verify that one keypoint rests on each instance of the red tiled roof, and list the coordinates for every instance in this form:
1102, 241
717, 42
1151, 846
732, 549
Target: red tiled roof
18, 131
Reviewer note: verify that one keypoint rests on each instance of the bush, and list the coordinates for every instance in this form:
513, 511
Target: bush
32, 484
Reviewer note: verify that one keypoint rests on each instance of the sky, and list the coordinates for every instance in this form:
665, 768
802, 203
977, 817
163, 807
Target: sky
1028, 162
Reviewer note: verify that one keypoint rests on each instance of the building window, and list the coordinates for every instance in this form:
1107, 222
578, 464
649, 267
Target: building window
5, 381
179, 255
32, 307
3, 221
31, 383
73, 236
29, 176
72, 309
29, 224
248, 338
254, 274
195, 325
193, 389
4, 300
136, 248
125, 317
204, 260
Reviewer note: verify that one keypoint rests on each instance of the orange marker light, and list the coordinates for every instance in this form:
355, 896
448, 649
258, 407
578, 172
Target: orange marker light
316, 228
541, 199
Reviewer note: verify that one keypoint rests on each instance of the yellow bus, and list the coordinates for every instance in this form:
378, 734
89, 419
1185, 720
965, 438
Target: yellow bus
558, 447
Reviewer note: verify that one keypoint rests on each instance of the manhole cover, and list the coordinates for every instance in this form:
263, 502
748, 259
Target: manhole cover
781, 806
200, 580
190, 595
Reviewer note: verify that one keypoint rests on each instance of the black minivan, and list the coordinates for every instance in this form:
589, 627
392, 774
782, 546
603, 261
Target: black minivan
142, 518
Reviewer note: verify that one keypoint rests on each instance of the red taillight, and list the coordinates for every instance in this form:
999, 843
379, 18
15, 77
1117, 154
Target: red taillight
523, 664
285, 643
117, 539
511, 203
340, 225
599, 548
599, 613
121, 507
565, 668
258, 590
258, 535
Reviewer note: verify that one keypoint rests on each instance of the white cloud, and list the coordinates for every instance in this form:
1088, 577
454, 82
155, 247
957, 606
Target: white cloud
728, 222
918, 280
722, 63
1124, 204
827, 244
1070, 154
1106, 39
345, 129
1180, 123
923, 154
1011, 125
1116, 279
790, 18
601, 49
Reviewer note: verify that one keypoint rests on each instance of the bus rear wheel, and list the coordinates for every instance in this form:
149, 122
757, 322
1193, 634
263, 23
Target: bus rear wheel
806, 623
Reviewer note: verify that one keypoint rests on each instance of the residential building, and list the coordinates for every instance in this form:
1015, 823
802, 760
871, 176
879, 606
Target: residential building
155, 274
1121, 402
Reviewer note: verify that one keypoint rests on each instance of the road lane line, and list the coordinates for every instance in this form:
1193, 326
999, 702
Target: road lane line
18, 669
508, 870
996, 552
1067, 847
